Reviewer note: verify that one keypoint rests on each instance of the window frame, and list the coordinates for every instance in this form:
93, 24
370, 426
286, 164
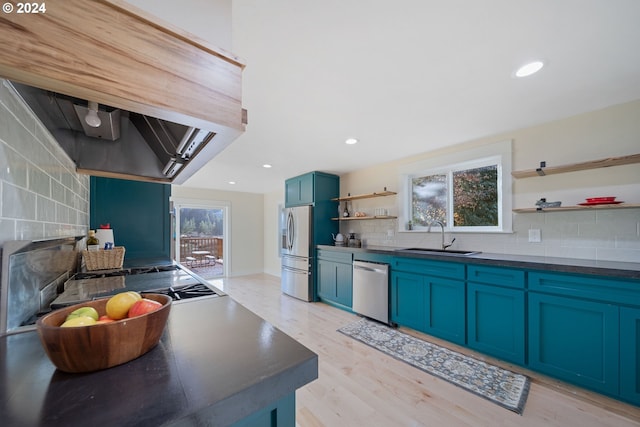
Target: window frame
494, 154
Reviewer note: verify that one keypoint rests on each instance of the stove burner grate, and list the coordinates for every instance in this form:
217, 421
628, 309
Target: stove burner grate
186, 292
124, 272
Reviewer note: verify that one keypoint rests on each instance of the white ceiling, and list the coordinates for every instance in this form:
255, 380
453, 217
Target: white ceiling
410, 76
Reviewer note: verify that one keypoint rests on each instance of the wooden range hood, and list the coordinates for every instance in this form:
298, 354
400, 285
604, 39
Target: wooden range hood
117, 55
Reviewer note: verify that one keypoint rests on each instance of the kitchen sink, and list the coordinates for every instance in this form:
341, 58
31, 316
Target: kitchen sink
437, 251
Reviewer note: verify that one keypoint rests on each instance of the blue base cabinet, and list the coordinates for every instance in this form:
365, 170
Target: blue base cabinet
579, 328
630, 354
281, 413
495, 321
575, 340
496, 312
335, 278
429, 303
408, 300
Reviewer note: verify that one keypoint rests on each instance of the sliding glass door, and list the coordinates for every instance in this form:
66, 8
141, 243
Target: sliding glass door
200, 237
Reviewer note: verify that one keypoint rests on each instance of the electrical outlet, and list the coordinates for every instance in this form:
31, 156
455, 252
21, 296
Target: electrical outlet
534, 235
390, 233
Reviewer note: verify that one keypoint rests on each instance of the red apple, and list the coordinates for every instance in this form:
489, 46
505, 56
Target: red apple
143, 306
104, 319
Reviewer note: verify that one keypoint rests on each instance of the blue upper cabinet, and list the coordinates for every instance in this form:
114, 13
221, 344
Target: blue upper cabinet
316, 189
299, 191
138, 213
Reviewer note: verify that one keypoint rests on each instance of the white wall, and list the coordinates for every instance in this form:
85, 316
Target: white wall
598, 235
41, 194
246, 225
272, 203
207, 19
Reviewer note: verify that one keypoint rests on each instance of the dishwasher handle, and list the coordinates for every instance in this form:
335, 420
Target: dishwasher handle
370, 267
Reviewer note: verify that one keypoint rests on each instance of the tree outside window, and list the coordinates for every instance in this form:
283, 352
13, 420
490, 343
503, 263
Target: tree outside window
475, 197
459, 197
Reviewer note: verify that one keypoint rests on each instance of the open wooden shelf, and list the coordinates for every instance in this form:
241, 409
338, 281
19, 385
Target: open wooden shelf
354, 218
578, 208
593, 164
365, 196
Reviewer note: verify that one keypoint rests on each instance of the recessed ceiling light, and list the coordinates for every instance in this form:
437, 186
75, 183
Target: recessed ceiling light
528, 69
266, 166
351, 141
232, 182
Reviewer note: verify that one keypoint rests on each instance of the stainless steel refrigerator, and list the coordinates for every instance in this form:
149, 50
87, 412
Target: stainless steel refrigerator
297, 279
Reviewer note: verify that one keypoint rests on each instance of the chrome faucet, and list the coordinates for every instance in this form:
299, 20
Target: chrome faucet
442, 245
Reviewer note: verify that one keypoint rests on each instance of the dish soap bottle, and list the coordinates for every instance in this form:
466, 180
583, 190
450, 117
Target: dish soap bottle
92, 241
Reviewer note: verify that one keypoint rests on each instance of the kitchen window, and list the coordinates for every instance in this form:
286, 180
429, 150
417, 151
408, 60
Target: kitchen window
467, 196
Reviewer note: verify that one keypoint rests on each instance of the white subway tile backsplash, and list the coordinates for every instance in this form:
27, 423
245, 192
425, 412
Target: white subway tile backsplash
29, 230
39, 182
18, 203
41, 194
612, 235
46, 209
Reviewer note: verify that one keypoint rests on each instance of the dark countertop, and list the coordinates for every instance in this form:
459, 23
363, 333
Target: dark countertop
625, 270
216, 363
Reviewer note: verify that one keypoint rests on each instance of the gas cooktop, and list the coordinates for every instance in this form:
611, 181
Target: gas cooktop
172, 280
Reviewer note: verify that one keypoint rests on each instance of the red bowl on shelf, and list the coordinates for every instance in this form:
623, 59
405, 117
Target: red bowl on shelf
600, 199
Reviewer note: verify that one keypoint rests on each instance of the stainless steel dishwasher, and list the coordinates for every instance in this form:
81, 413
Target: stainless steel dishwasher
371, 290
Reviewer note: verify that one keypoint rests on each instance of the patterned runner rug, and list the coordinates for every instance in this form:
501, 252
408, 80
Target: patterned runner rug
498, 385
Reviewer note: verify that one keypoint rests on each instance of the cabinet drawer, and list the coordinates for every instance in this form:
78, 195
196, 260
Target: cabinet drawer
621, 291
450, 270
336, 256
496, 276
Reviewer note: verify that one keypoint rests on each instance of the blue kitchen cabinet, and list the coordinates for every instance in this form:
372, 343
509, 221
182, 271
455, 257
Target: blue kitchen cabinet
575, 340
278, 414
299, 191
496, 312
137, 211
408, 300
335, 278
429, 296
630, 354
316, 189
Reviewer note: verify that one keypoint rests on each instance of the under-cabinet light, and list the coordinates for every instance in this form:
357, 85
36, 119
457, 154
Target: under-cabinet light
92, 118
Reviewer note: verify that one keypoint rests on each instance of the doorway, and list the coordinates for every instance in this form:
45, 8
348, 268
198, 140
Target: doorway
200, 238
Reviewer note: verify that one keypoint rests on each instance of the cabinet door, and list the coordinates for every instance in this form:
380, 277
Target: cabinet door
344, 284
299, 190
408, 306
575, 340
445, 308
630, 354
138, 213
335, 283
496, 321
327, 280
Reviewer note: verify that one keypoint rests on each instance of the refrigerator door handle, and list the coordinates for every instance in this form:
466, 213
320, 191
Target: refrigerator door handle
290, 231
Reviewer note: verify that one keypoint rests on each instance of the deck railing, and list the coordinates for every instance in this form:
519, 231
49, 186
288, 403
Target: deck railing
190, 244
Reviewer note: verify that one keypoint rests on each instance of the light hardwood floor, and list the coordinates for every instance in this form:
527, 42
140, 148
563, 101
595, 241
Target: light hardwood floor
360, 386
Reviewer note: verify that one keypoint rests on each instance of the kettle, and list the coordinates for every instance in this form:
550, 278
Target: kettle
338, 240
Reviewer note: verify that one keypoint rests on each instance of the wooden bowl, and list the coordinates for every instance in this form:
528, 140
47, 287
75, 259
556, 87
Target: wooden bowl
101, 346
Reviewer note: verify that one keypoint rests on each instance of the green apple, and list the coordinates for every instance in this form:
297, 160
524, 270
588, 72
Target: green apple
79, 321
83, 312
